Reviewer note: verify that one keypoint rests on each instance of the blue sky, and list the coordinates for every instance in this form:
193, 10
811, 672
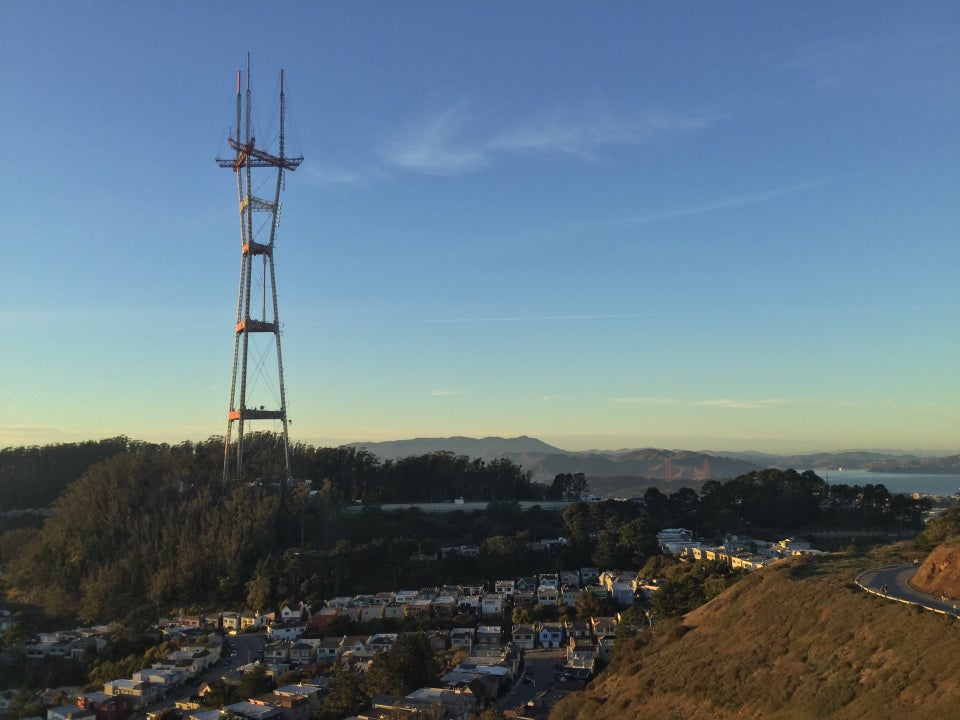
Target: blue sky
696, 225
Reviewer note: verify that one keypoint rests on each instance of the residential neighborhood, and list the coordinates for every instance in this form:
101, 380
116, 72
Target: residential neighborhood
486, 629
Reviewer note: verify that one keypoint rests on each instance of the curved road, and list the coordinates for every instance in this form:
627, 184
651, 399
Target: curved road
895, 579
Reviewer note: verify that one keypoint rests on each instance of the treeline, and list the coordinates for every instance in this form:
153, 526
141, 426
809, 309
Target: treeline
33, 477
356, 475
785, 502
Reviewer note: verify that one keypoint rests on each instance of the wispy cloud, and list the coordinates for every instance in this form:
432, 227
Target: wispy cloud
458, 139
586, 133
740, 404
327, 176
445, 392
729, 202
435, 146
728, 403
529, 318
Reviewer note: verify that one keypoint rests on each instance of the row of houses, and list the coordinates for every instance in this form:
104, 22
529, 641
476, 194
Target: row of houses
739, 552
296, 620
593, 638
536, 585
292, 702
449, 602
547, 590
93, 706
71, 644
185, 664
244, 621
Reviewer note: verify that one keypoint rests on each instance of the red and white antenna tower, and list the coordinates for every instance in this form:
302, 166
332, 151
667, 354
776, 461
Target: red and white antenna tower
257, 326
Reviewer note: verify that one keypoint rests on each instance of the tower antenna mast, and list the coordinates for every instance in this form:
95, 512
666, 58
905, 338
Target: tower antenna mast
257, 318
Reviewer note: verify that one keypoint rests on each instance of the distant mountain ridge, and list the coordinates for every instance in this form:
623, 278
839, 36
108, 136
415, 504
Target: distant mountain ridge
621, 468
487, 448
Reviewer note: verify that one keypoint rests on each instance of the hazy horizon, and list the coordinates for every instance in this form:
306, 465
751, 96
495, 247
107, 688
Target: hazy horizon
559, 444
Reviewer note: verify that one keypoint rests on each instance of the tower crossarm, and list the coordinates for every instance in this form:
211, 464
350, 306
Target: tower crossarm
257, 204
255, 414
255, 248
257, 326
249, 154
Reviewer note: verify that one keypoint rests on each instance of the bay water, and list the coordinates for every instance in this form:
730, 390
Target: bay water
923, 483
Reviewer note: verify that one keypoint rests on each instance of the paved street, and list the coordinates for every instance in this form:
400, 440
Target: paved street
247, 646
895, 579
539, 667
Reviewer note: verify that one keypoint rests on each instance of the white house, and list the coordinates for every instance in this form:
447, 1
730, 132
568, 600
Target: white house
294, 611
551, 580
290, 630
492, 604
165, 678
548, 596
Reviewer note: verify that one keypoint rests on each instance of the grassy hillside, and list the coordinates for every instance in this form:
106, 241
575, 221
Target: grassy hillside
795, 640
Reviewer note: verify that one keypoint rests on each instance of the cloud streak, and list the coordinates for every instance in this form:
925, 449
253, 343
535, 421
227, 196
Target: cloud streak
529, 318
330, 176
724, 403
730, 202
456, 140
444, 392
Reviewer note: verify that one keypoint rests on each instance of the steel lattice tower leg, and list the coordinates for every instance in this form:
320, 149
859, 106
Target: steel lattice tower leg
257, 320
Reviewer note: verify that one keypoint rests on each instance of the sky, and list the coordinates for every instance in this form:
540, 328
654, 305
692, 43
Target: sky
605, 225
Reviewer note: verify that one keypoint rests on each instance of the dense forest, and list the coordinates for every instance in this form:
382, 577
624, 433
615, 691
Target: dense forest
153, 527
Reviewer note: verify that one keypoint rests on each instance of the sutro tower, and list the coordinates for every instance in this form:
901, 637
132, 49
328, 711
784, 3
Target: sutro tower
257, 329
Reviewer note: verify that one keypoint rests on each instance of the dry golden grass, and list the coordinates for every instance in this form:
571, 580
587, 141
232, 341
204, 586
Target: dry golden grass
795, 640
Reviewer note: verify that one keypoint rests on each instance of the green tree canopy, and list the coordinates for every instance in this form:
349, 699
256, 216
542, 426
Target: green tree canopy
409, 665
944, 527
345, 694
